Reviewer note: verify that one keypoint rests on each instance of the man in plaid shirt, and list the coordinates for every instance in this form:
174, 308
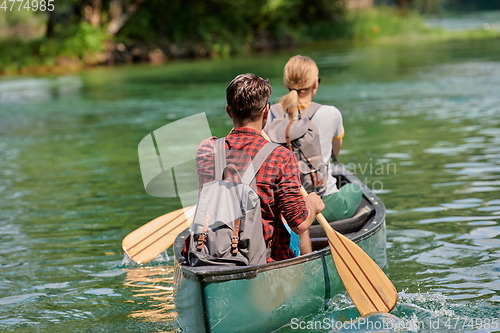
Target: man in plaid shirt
277, 181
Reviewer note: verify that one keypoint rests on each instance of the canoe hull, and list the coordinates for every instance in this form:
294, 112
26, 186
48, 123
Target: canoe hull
264, 298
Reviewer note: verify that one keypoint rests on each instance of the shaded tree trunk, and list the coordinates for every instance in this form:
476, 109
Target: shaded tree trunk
120, 11
51, 23
90, 11
404, 5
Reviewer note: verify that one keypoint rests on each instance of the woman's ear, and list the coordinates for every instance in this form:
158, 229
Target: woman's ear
316, 83
315, 87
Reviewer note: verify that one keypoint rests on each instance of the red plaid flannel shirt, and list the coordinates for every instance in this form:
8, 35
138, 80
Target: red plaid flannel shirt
277, 181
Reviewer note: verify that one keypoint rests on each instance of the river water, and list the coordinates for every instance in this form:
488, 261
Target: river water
422, 129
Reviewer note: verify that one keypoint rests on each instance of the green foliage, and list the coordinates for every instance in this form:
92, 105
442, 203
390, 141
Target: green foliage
83, 41
468, 5
78, 45
434, 6
384, 22
22, 23
367, 24
430, 6
235, 24
204, 28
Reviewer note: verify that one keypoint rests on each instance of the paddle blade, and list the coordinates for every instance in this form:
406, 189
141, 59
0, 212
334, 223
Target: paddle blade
367, 285
145, 243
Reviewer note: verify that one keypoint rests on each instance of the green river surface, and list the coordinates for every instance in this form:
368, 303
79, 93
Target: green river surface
422, 129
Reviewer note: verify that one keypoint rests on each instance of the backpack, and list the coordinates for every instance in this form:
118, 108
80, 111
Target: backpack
302, 137
227, 224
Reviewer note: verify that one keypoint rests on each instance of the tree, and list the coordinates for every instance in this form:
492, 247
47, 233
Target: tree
120, 12
404, 5
90, 11
110, 15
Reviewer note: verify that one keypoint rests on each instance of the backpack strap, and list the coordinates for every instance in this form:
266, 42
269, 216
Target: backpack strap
312, 108
219, 157
257, 161
277, 111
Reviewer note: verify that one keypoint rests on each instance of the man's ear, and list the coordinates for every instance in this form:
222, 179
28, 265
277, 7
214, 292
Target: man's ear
228, 111
265, 114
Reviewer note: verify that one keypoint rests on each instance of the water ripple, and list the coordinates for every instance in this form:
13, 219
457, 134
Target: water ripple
458, 219
20, 298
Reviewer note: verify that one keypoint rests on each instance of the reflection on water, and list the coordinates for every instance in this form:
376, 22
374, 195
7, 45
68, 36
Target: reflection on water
153, 286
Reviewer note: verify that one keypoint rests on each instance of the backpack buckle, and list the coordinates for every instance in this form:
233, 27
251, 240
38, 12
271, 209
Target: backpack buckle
202, 239
236, 236
234, 244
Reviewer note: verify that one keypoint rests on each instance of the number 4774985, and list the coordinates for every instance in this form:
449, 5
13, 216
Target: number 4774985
34, 5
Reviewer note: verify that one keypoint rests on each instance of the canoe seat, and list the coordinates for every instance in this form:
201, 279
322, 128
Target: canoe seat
346, 226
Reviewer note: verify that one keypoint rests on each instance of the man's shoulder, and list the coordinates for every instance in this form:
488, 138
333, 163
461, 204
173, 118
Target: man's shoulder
208, 141
207, 144
283, 153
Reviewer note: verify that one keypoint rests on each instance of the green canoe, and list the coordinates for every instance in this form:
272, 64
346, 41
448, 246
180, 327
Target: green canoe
264, 298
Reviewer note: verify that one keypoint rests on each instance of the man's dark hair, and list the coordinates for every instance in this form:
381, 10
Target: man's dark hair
247, 95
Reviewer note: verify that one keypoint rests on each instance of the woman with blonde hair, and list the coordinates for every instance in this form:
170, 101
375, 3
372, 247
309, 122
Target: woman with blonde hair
301, 78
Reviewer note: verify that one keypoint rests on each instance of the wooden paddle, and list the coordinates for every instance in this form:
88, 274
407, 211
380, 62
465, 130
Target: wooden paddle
365, 282
367, 285
145, 243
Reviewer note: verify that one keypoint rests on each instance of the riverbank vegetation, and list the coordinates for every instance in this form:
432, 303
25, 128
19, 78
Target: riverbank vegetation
79, 33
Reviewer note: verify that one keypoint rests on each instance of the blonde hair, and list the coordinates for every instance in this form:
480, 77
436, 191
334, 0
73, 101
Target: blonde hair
299, 75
